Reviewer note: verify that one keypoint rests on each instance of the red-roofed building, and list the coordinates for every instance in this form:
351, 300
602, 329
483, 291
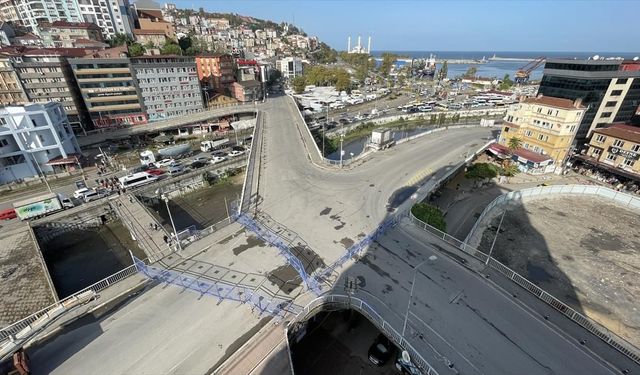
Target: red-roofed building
616, 149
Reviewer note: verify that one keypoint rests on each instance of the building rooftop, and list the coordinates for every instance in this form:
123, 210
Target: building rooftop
148, 32
555, 102
27, 51
621, 131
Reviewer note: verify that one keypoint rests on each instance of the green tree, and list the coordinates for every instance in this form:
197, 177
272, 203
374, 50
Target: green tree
444, 71
509, 170
298, 84
388, 59
514, 144
171, 48
481, 171
149, 45
471, 72
506, 83
136, 49
120, 39
430, 215
185, 42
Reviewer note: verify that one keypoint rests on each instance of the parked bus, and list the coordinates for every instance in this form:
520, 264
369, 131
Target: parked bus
137, 179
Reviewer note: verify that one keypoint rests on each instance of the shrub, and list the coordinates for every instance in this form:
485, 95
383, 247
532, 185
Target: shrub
430, 215
481, 171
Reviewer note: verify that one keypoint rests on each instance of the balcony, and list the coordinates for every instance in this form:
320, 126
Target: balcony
116, 107
105, 79
80, 72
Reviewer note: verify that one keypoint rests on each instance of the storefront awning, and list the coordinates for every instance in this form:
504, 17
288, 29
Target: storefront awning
71, 159
608, 168
499, 150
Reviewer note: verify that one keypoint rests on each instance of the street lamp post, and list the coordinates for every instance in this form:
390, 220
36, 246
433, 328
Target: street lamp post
341, 152
413, 284
41, 172
173, 225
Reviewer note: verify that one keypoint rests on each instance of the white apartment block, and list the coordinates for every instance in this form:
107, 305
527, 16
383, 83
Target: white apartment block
112, 16
290, 67
32, 12
34, 138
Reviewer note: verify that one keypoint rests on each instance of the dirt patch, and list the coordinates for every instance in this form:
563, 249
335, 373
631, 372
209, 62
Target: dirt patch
582, 250
252, 241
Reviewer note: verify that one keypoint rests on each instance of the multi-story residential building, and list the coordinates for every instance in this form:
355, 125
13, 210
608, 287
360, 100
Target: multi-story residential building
157, 38
109, 90
64, 34
609, 88
6, 33
290, 67
151, 19
545, 127
216, 70
219, 23
46, 76
113, 16
11, 90
247, 91
9, 12
35, 138
169, 85
34, 12
615, 149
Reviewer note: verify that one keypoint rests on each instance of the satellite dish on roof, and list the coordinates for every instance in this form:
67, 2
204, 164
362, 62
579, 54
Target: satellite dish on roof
596, 57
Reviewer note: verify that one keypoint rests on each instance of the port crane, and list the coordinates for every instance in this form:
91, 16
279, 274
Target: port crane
522, 74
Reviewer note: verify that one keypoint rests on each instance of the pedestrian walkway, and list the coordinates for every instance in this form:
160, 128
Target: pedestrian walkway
152, 238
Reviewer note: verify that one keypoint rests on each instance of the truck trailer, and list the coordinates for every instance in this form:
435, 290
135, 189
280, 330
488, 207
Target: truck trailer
42, 205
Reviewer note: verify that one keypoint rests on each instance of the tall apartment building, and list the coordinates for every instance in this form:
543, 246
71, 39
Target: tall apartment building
33, 12
64, 34
216, 71
609, 88
34, 138
169, 85
9, 12
615, 149
46, 76
546, 127
109, 90
11, 90
290, 67
112, 16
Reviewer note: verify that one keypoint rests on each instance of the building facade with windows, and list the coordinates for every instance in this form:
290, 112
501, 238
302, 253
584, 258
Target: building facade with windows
609, 88
46, 76
112, 16
34, 139
63, 34
545, 126
109, 90
216, 71
11, 90
616, 149
34, 12
290, 67
169, 85
247, 91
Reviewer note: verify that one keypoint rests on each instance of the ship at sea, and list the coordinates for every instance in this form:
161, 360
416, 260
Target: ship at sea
424, 68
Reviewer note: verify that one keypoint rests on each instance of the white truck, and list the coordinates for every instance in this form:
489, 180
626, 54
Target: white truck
207, 146
41, 205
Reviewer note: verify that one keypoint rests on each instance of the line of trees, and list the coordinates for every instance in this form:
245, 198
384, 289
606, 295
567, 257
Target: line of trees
322, 76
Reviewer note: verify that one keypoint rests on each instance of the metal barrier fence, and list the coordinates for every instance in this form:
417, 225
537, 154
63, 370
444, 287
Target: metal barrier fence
620, 198
597, 329
351, 302
255, 152
25, 328
277, 307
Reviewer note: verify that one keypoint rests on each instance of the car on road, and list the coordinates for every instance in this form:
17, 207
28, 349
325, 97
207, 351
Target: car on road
8, 214
155, 171
200, 159
165, 163
79, 194
94, 194
381, 350
175, 169
235, 153
217, 159
405, 367
198, 164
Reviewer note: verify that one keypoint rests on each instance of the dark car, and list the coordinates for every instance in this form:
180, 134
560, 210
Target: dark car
197, 164
238, 148
381, 350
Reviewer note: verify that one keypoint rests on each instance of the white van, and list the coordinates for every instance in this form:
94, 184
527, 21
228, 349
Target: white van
137, 179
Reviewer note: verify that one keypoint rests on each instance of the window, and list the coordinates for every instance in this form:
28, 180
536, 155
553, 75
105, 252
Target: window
618, 143
542, 137
528, 133
621, 81
628, 162
635, 148
606, 114
596, 152
573, 128
3, 142
526, 145
600, 138
616, 92
611, 104
611, 157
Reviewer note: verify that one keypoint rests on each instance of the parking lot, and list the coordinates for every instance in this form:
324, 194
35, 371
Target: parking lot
338, 343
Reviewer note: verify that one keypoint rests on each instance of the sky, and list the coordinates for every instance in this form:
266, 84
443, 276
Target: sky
422, 25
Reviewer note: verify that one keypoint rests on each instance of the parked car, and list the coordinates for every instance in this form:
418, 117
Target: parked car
235, 153
94, 194
165, 163
381, 350
175, 169
217, 159
79, 194
155, 171
200, 159
198, 164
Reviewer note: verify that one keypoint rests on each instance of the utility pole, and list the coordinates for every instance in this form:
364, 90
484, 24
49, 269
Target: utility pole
41, 172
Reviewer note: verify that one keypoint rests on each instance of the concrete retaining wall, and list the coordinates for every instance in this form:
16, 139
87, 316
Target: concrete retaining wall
82, 217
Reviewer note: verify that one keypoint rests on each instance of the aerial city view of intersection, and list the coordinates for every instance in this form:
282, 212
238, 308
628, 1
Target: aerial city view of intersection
319, 187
